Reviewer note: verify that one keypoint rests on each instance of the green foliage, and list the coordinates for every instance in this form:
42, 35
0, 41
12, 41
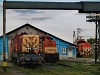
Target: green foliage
91, 40
8, 72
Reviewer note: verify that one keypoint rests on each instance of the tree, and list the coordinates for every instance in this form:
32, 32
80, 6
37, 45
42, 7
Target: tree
91, 40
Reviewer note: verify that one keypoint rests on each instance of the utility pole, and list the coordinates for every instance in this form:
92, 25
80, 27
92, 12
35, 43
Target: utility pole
4, 36
95, 18
99, 38
78, 33
74, 37
96, 41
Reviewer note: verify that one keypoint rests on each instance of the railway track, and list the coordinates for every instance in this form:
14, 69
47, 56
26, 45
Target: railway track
58, 68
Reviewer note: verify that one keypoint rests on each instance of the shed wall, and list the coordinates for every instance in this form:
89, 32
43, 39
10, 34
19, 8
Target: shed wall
1, 47
62, 46
63, 49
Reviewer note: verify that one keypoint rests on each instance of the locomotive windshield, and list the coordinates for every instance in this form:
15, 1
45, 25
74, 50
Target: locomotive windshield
43, 38
49, 38
81, 41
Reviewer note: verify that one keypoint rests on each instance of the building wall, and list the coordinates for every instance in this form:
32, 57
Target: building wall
1, 47
26, 29
63, 49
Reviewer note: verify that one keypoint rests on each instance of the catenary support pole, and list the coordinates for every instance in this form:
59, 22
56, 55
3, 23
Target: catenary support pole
99, 38
96, 22
4, 36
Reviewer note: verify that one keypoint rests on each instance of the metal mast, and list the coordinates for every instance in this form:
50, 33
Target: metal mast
95, 18
74, 37
4, 36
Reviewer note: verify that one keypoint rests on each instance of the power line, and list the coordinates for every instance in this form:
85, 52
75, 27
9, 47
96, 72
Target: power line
88, 36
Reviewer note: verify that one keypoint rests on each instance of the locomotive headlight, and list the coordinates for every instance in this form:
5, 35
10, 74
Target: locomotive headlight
30, 48
26, 48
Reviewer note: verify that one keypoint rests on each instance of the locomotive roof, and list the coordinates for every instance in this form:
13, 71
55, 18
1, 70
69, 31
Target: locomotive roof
25, 25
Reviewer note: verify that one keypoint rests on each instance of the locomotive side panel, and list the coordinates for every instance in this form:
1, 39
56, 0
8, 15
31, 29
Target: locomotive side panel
15, 47
50, 50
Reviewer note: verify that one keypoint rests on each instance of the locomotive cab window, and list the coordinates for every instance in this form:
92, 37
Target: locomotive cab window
49, 38
81, 42
42, 39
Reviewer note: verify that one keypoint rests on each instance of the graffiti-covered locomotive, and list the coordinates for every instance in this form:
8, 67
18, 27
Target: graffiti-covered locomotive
83, 48
48, 47
25, 49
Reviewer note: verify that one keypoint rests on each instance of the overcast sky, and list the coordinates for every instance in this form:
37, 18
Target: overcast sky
60, 23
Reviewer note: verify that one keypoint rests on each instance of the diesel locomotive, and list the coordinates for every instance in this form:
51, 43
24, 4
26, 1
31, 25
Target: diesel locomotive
83, 48
48, 47
25, 49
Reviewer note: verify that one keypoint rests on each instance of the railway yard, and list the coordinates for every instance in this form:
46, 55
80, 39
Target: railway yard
28, 50
84, 66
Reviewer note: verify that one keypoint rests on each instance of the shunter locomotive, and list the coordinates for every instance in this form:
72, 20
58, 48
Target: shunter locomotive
48, 47
83, 48
25, 49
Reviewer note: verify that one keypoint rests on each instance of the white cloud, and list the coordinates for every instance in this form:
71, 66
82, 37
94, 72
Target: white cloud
60, 23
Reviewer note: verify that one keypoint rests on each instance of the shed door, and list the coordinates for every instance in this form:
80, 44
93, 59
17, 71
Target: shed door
70, 52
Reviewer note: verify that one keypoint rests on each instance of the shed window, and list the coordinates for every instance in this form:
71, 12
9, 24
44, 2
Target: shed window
64, 50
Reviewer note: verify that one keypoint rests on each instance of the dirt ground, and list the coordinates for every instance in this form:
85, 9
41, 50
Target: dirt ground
87, 60
11, 70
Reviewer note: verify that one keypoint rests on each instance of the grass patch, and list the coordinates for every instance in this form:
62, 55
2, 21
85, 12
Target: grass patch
8, 72
58, 68
1, 69
62, 68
